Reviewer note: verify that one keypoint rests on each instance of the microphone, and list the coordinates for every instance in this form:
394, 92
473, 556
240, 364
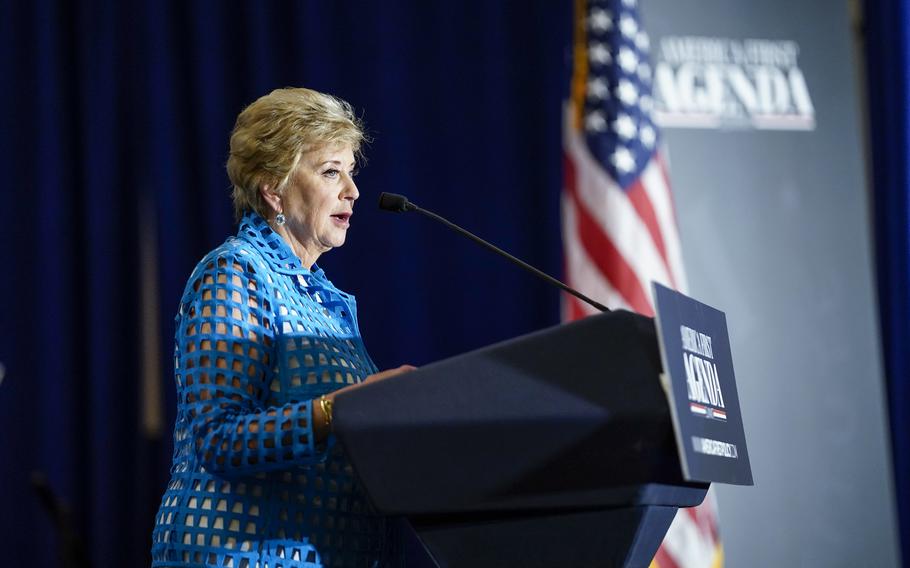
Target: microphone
395, 203
400, 204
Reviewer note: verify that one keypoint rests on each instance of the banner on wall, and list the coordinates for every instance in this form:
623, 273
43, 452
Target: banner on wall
723, 83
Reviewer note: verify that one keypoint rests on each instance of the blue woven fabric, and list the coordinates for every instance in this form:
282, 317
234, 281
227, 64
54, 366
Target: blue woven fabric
259, 337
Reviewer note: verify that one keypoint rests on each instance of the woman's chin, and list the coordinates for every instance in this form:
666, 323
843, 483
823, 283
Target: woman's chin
334, 242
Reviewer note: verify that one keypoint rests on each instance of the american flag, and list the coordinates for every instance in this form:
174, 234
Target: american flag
619, 225
619, 222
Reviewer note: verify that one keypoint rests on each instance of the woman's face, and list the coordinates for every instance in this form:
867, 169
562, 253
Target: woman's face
319, 199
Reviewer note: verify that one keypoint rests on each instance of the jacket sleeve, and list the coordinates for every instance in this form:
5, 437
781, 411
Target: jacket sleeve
226, 354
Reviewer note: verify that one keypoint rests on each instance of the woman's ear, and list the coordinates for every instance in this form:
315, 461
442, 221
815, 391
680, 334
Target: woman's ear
271, 197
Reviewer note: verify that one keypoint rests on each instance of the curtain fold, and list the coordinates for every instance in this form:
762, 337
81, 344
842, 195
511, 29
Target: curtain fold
887, 42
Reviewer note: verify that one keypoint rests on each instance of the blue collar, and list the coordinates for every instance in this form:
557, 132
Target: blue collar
276, 251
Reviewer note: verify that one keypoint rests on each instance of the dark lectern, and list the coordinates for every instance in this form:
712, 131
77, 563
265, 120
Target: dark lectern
551, 449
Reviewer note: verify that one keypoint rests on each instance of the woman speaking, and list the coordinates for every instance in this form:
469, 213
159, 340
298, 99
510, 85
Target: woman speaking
264, 343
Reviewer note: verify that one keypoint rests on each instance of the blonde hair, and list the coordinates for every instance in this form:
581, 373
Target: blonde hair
272, 134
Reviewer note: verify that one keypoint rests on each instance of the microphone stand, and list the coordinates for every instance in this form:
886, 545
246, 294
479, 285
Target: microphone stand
400, 204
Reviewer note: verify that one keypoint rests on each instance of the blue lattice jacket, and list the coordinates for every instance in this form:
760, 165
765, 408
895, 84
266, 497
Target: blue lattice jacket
259, 337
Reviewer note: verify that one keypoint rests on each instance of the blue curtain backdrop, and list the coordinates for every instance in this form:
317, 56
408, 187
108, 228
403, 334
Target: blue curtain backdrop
117, 114
887, 39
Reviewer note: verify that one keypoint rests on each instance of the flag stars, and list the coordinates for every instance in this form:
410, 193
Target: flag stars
597, 89
627, 60
644, 72
623, 160
642, 41
600, 20
648, 136
646, 103
627, 92
624, 125
628, 26
595, 121
598, 53
618, 88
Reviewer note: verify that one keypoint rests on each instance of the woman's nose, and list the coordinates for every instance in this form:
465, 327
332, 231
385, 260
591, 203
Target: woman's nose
350, 190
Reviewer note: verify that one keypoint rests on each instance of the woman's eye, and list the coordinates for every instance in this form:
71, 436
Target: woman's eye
332, 173
353, 173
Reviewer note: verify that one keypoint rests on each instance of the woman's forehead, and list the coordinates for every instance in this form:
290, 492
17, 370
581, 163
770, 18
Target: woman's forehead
339, 152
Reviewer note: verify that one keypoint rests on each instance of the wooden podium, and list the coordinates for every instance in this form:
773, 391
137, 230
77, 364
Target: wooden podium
550, 449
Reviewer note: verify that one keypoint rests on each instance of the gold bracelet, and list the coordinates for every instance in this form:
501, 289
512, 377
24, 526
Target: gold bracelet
326, 405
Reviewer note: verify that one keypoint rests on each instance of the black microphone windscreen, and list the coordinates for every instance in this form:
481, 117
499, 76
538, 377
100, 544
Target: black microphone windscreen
393, 202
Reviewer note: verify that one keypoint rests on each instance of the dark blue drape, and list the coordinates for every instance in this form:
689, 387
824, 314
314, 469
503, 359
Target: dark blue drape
887, 39
114, 126
114, 119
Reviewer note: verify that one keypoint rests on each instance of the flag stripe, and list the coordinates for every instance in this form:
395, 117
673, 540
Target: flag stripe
663, 560
610, 208
705, 516
657, 186
600, 249
641, 201
581, 272
577, 309
687, 543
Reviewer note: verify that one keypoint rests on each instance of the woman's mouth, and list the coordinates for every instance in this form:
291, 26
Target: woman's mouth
342, 219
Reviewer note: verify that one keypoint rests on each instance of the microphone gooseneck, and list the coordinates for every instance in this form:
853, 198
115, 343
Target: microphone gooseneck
400, 204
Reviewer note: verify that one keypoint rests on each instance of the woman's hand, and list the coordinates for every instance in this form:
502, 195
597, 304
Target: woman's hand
386, 374
322, 424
